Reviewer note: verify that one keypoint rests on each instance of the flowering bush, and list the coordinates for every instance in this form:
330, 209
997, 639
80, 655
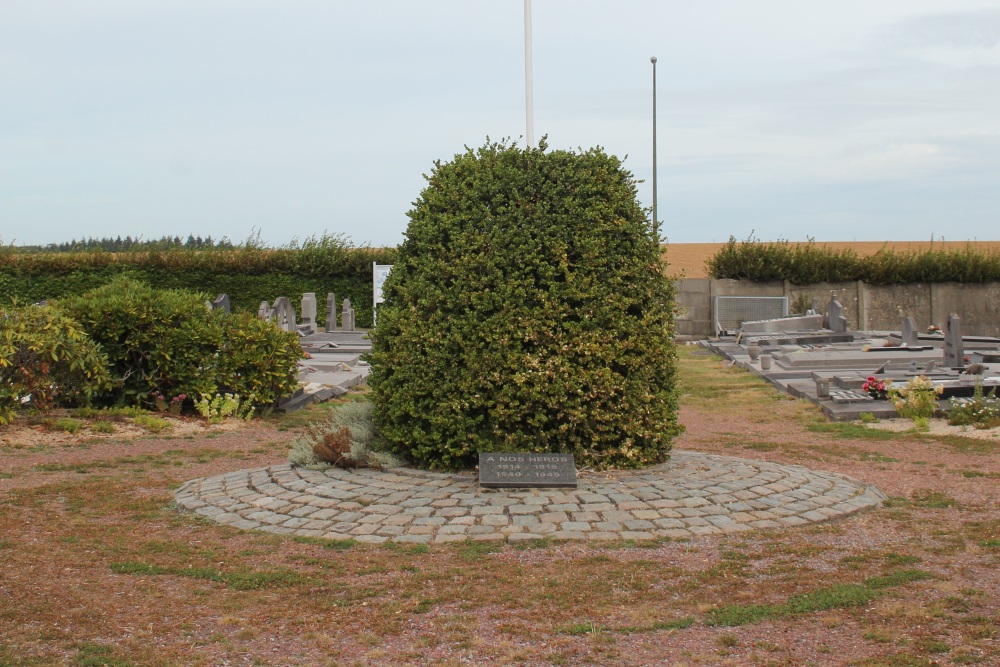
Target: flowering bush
876, 388
174, 406
917, 399
983, 411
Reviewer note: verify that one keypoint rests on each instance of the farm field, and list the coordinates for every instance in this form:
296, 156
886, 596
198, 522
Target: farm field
688, 259
98, 568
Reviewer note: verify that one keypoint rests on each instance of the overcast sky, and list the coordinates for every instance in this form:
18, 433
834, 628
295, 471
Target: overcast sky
849, 120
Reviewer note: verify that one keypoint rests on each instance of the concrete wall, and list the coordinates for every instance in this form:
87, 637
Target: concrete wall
867, 307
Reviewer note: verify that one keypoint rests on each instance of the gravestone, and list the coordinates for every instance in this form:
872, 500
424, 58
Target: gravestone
834, 319
284, 313
347, 316
331, 312
222, 303
309, 313
954, 353
510, 470
264, 312
909, 335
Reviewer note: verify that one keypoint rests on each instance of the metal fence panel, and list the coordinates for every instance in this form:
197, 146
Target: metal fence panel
732, 311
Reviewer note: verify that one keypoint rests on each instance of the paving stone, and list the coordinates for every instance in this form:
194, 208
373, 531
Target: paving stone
608, 526
495, 520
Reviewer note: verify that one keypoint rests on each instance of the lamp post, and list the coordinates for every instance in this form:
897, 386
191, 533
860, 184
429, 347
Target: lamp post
656, 221
529, 113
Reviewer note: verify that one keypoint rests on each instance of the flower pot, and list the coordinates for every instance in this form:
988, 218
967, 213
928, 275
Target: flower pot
765, 362
754, 351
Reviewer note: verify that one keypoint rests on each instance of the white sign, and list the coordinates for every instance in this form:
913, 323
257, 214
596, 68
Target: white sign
379, 273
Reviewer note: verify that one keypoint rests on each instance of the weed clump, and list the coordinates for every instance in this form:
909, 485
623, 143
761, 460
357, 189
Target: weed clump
346, 439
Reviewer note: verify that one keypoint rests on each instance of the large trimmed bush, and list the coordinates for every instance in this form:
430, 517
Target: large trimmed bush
528, 310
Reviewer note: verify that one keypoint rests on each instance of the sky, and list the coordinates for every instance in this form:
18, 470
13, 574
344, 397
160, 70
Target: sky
863, 120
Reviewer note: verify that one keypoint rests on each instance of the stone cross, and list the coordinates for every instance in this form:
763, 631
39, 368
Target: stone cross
834, 318
331, 311
954, 353
347, 316
309, 312
909, 335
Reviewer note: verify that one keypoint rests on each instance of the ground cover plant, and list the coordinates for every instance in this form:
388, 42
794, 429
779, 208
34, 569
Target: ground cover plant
97, 568
528, 310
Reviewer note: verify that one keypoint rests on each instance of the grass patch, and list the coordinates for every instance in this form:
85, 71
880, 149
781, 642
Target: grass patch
876, 457
540, 543
98, 655
406, 548
338, 545
102, 427
151, 424
473, 551
673, 624
577, 629
838, 596
66, 424
242, 580
850, 430
81, 468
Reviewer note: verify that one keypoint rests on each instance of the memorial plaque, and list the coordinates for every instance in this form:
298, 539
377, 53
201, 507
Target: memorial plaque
512, 470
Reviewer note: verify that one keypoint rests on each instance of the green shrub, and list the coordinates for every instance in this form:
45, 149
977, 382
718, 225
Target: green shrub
259, 361
47, 357
527, 311
157, 341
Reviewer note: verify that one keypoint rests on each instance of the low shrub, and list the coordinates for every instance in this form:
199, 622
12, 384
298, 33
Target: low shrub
346, 439
982, 412
46, 358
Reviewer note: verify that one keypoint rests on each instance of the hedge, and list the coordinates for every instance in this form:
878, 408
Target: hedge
248, 275
805, 264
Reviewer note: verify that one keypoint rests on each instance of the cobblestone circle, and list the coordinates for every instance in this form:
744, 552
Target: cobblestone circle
692, 494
